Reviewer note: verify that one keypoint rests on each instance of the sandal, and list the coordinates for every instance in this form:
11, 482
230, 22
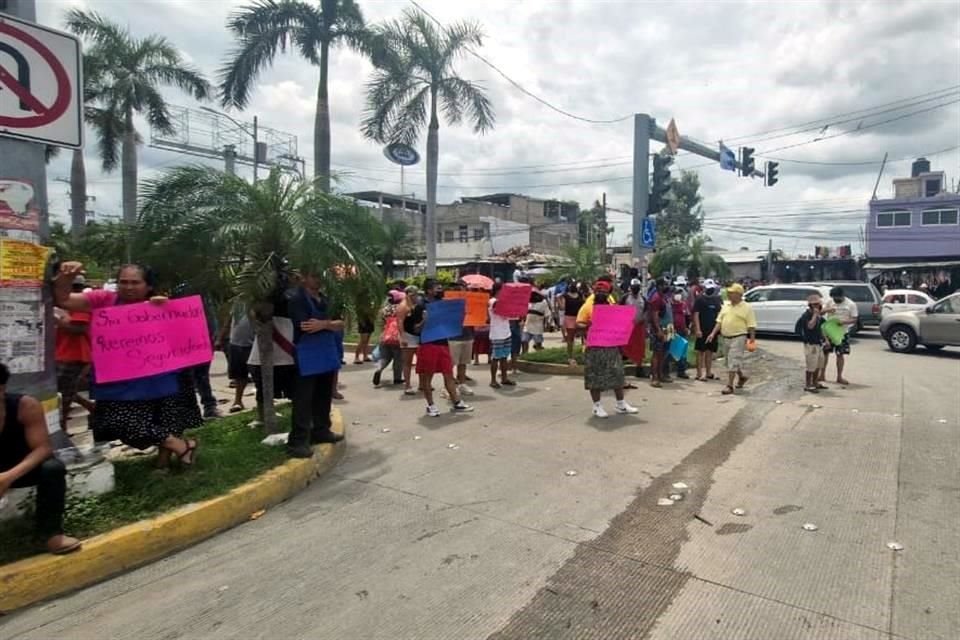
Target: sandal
710, 376
191, 451
494, 385
509, 383
630, 385
742, 380
727, 390
236, 408
656, 384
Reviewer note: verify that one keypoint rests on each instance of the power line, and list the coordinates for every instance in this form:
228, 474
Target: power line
520, 87
822, 121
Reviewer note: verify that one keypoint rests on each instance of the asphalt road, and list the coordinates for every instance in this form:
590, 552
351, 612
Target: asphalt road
473, 526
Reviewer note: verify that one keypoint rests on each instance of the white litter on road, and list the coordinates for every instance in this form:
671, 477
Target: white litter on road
453, 446
680, 486
665, 502
676, 497
809, 526
571, 472
385, 430
738, 512
417, 437
894, 546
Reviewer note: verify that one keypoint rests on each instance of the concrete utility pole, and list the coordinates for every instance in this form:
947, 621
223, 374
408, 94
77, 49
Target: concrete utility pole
645, 128
21, 160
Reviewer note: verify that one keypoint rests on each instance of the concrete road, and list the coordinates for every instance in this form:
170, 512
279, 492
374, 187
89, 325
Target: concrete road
472, 526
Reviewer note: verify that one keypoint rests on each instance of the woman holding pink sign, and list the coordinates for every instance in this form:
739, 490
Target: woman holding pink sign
140, 412
603, 366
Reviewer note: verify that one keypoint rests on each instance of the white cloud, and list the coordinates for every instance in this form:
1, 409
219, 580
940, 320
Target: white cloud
721, 69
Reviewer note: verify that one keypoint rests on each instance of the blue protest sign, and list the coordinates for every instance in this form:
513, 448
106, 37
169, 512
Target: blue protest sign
649, 232
318, 353
444, 320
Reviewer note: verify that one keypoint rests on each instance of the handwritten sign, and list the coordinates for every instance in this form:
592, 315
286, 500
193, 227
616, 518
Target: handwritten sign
22, 264
477, 303
611, 325
444, 320
513, 300
138, 340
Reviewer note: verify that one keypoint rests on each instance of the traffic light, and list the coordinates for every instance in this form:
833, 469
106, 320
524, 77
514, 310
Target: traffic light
772, 173
661, 183
746, 161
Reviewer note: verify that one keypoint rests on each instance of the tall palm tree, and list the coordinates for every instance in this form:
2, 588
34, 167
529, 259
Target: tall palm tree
413, 80
268, 26
581, 263
132, 72
216, 230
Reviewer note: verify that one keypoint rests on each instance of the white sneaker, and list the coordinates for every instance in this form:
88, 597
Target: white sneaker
623, 407
462, 407
465, 390
598, 412
433, 411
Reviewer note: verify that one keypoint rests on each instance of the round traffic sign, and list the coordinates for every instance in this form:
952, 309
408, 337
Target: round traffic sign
43, 114
402, 154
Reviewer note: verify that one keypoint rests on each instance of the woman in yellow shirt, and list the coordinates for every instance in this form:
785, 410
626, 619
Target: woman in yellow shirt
603, 366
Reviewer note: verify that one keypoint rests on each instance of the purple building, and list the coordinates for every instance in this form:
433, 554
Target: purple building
914, 237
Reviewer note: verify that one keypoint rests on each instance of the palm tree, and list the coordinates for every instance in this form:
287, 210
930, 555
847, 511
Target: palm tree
580, 263
414, 79
215, 230
128, 82
268, 26
691, 259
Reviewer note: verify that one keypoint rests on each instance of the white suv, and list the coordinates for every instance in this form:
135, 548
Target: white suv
779, 306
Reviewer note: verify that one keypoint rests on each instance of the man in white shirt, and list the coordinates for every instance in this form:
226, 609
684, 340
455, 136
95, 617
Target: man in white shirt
843, 310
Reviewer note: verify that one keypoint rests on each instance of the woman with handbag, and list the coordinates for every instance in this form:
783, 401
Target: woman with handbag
390, 351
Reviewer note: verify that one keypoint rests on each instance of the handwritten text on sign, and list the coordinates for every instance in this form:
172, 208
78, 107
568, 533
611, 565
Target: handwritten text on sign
138, 340
477, 303
513, 300
611, 325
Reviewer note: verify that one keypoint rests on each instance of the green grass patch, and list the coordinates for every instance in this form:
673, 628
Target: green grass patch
230, 454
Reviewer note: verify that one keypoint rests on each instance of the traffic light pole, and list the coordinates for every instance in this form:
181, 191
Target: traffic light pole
645, 128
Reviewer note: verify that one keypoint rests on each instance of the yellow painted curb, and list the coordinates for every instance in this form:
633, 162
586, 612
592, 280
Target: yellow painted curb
41, 577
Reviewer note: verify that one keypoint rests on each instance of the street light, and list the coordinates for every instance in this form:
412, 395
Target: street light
243, 128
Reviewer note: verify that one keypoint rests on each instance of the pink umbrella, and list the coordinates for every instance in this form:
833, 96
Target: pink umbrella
478, 281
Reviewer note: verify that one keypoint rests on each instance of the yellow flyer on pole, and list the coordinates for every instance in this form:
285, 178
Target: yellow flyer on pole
22, 264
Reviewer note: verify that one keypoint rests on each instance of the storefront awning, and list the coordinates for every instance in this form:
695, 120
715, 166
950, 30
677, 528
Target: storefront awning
924, 264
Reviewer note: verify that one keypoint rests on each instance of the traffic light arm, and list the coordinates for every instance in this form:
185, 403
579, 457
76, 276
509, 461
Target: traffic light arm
660, 135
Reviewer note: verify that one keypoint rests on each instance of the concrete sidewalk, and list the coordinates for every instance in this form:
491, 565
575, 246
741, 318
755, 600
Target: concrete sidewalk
469, 526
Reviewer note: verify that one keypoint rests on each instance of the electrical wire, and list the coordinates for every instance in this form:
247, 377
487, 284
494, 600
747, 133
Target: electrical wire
521, 88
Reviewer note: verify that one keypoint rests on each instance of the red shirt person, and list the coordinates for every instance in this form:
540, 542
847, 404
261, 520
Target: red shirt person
72, 354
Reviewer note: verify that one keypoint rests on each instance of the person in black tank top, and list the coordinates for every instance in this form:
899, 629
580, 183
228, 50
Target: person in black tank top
26, 460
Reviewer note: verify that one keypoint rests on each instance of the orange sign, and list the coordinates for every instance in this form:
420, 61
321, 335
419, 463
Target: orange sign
477, 303
673, 137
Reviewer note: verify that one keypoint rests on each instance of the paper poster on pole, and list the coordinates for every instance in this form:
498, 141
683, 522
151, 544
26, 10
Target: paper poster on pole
21, 336
444, 320
139, 340
611, 325
18, 209
476, 310
22, 264
513, 300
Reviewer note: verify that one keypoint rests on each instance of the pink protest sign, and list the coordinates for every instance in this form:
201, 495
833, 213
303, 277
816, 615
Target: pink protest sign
611, 325
513, 300
139, 340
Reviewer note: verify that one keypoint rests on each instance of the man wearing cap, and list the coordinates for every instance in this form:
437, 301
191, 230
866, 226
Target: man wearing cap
705, 311
72, 354
736, 323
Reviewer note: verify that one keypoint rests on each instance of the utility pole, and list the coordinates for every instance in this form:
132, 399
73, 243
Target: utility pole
770, 261
256, 148
24, 161
603, 227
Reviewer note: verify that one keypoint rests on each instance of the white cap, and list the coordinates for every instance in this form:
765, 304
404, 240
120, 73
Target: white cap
635, 282
709, 284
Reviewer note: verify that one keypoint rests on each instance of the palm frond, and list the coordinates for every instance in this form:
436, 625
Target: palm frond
96, 28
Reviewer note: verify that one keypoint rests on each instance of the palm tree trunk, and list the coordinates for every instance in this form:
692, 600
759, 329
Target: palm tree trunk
128, 169
433, 153
321, 123
78, 195
263, 327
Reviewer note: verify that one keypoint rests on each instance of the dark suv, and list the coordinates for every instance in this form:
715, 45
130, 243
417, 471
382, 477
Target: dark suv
866, 296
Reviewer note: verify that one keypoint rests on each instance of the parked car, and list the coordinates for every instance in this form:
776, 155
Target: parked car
779, 306
936, 326
895, 300
866, 296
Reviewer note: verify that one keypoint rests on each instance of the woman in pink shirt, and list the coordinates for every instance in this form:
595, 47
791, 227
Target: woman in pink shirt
142, 412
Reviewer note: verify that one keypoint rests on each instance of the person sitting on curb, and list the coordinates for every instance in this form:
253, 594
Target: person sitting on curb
26, 460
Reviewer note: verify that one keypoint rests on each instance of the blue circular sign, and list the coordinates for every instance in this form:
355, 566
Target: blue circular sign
402, 154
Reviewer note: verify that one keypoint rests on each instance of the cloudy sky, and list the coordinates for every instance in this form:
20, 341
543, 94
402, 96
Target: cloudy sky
772, 75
